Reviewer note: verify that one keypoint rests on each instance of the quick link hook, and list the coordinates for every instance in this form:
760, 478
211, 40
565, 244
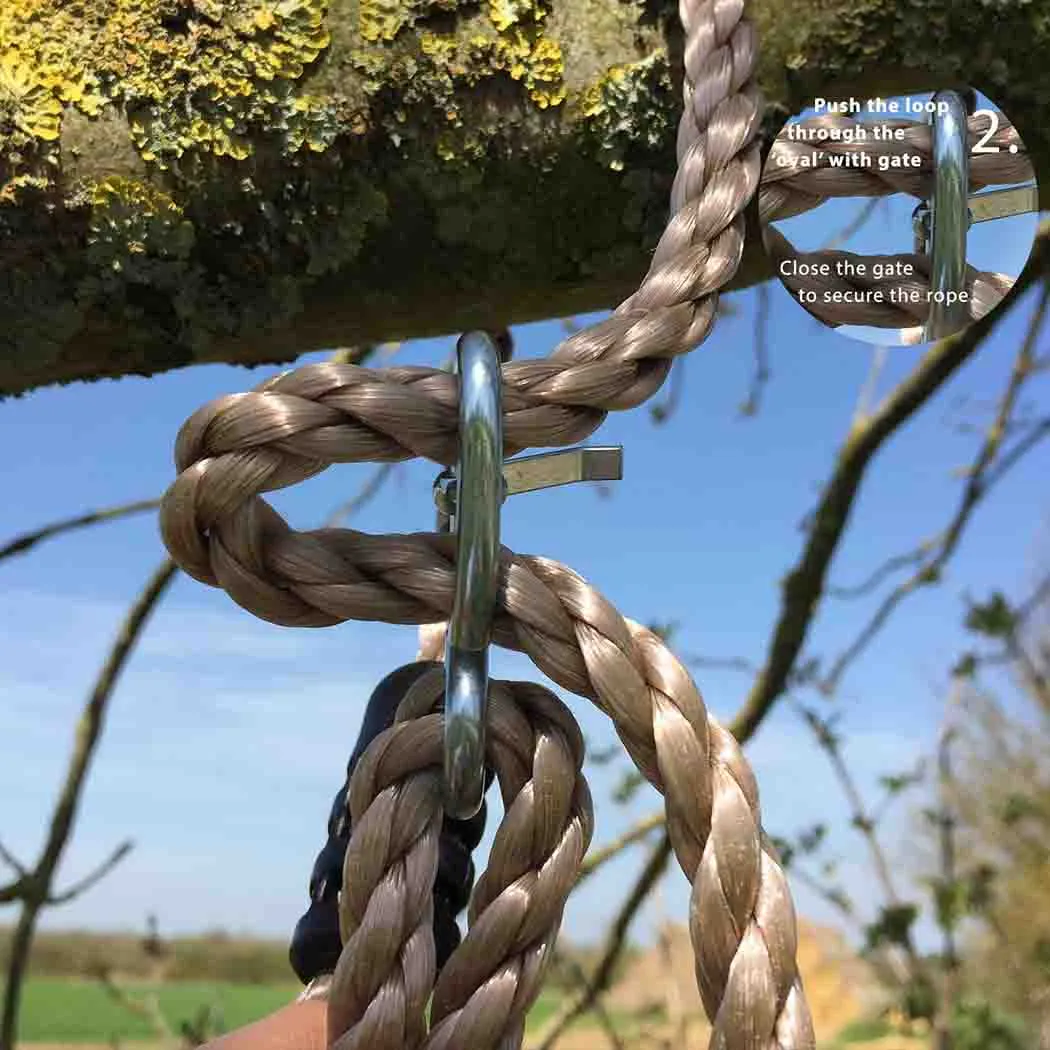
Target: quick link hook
469, 499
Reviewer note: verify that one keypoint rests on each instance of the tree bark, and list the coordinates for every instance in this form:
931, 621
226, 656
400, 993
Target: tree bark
247, 180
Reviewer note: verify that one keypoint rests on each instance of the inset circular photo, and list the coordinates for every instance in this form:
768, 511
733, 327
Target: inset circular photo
901, 220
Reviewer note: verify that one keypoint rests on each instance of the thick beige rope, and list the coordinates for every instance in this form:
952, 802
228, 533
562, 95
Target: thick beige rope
802, 173
221, 532
386, 970
850, 292
743, 924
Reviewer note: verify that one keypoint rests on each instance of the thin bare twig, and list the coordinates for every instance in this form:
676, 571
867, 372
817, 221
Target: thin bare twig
615, 942
857, 223
99, 873
662, 412
803, 586
859, 816
13, 891
866, 397
891, 965
606, 1022
1036, 433
149, 1009
27, 540
596, 858
12, 861
367, 492
1020, 617
837, 900
37, 888
886, 569
861, 820
977, 487
727, 663
1039, 595
760, 371
946, 821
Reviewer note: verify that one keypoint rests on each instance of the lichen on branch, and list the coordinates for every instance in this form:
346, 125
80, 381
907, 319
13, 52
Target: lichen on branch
247, 180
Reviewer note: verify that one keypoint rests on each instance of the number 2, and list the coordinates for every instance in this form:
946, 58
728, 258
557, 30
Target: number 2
993, 127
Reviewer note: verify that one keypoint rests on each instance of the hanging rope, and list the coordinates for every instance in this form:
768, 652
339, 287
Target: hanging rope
220, 531
386, 972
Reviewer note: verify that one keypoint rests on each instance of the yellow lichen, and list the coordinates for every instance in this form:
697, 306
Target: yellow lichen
28, 107
440, 72
12, 190
132, 218
206, 76
536, 60
525, 52
505, 13
627, 107
380, 20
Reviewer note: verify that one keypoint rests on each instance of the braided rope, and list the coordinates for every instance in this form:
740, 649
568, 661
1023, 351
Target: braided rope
386, 970
802, 173
849, 292
219, 530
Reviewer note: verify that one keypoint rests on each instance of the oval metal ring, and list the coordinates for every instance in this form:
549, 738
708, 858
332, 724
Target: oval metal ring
479, 496
949, 216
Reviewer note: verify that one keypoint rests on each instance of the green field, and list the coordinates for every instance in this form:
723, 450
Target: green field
62, 1010
59, 1009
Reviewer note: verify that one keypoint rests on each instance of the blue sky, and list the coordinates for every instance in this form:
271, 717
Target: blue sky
999, 246
227, 736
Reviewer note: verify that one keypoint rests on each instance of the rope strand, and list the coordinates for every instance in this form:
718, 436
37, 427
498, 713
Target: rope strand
805, 170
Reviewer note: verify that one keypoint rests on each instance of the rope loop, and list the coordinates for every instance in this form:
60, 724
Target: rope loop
221, 531
386, 972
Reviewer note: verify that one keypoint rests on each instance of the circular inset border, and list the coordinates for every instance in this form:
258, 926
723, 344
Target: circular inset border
861, 207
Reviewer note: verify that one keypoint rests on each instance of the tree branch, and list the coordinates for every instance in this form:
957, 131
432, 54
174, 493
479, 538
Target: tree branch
760, 350
885, 570
89, 880
728, 663
598, 857
149, 1009
26, 541
396, 180
804, 585
1036, 433
14, 891
862, 821
37, 888
367, 492
977, 486
855, 225
597, 1006
661, 411
12, 861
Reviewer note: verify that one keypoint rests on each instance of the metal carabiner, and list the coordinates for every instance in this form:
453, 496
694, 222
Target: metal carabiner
480, 491
470, 498
949, 216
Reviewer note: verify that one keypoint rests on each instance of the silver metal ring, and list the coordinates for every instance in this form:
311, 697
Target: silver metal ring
479, 496
949, 216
